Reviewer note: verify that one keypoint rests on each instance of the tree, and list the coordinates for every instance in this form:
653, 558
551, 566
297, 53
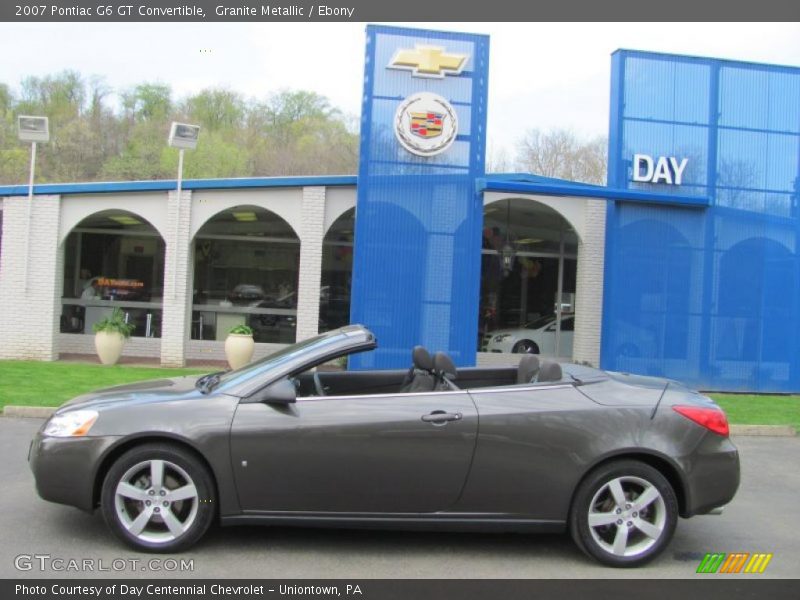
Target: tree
216, 109
560, 153
286, 133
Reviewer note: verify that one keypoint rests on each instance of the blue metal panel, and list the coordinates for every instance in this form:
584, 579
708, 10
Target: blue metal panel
711, 297
416, 264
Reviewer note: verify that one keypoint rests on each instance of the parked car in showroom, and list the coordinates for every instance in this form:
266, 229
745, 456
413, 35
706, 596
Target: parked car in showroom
535, 337
612, 459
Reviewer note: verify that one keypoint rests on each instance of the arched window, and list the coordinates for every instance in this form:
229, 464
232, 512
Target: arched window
246, 265
529, 258
337, 271
113, 259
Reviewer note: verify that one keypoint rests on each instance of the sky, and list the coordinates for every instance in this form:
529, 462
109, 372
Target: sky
542, 75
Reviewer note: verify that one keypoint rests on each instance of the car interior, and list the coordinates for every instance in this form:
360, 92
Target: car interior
426, 374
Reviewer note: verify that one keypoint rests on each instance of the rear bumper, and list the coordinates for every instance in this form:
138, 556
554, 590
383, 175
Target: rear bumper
712, 473
65, 468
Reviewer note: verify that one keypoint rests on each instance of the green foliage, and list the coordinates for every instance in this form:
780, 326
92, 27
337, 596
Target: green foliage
757, 409
115, 324
242, 330
287, 133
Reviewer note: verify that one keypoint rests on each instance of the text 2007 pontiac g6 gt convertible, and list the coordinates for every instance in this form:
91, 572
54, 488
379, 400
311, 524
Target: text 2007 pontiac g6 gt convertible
614, 459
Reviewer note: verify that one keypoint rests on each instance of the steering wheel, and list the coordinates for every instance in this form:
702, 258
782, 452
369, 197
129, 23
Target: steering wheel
318, 385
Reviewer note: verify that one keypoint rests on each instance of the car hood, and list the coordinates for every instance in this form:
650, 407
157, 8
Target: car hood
511, 332
154, 390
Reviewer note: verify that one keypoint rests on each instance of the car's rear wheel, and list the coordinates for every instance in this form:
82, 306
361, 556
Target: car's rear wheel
525, 347
158, 498
624, 514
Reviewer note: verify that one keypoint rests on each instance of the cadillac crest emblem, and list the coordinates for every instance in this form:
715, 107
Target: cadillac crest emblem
425, 124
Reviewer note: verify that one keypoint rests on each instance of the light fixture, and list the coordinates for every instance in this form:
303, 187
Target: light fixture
31, 129
508, 258
245, 217
183, 136
507, 253
125, 220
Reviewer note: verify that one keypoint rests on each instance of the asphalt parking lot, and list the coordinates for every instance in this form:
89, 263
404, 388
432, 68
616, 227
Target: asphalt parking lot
762, 518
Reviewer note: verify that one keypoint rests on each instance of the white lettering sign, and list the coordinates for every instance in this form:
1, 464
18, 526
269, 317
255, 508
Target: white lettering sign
666, 169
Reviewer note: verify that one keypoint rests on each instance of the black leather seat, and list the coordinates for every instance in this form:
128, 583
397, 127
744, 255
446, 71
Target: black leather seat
528, 368
445, 371
420, 377
550, 371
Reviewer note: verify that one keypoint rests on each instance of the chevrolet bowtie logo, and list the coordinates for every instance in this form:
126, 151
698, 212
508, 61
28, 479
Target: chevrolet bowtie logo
428, 61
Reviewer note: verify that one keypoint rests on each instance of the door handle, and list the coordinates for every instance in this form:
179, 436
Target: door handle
439, 417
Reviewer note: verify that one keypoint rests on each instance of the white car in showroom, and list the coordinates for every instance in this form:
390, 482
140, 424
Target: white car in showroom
536, 337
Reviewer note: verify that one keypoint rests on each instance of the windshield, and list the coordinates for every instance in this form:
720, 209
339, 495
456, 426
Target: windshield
312, 346
540, 322
280, 357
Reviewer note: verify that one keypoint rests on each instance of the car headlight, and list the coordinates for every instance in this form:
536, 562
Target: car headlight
502, 337
75, 423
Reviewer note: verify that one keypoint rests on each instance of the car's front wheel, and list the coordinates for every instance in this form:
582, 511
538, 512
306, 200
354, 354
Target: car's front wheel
525, 347
158, 498
624, 513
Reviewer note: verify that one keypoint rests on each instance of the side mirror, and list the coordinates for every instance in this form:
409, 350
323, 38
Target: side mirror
280, 392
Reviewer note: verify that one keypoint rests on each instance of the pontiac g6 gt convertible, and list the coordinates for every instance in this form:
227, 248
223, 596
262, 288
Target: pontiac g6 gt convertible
614, 459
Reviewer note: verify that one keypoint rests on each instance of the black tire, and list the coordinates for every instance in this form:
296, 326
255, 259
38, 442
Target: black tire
658, 517
525, 347
181, 469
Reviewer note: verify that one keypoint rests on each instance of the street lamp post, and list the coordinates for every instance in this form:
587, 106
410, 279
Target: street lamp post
31, 129
181, 136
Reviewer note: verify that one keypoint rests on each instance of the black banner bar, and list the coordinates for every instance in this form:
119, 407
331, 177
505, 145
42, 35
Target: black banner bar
706, 587
106, 11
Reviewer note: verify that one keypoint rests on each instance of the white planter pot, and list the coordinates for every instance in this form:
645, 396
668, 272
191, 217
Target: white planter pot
109, 346
239, 349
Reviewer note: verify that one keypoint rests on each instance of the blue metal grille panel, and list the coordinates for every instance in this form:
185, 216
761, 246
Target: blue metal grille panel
708, 296
416, 264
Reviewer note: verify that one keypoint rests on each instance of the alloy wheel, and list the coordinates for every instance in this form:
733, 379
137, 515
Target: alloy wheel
156, 501
627, 516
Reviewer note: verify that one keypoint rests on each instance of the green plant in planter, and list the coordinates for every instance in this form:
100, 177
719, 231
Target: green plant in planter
242, 330
115, 324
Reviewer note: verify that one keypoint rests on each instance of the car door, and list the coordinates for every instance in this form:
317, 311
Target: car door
534, 444
385, 453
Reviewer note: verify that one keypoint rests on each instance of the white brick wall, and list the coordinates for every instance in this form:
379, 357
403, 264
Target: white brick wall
589, 285
30, 281
177, 280
312, 232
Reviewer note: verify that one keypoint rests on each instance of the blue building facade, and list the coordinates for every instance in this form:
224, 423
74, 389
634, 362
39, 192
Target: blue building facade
708, 295
416, 269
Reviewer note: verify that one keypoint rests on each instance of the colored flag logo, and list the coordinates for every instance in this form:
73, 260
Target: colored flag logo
735, 562
426, 124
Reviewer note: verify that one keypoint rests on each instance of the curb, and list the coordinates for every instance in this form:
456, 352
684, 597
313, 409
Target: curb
45, 412
763, 430
36, 412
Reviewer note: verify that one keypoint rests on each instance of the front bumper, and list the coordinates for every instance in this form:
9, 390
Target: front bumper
65, 468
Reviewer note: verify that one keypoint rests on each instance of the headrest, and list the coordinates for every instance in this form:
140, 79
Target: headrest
443, 365
528, 368
550, 371
422, 358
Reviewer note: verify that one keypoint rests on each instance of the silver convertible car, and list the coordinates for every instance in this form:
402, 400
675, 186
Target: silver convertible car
614, 459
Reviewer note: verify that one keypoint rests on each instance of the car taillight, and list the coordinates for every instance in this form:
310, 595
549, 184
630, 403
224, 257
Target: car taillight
712, 419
